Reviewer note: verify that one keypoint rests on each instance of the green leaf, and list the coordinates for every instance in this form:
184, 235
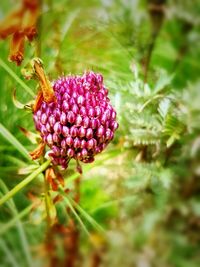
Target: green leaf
26, 181
11, 139
16, 78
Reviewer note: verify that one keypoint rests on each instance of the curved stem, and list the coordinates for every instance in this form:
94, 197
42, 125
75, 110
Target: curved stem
26, 181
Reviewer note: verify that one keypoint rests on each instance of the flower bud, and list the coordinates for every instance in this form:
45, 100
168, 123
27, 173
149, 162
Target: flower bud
77, 143
65, 131
49, 139
56, 138
100, 131
56, 150
65, 106
70, 117
84, 153
57, 128
83, 144
63, 118
70, 152
89, 133
78, 120
86, 122
75, 109
63, 144
52, 120
44, 118
81, 100
69, 141
74, 131
82, 131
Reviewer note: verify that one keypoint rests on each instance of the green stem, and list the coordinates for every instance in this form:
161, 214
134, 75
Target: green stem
17, 79
12, 222
26, 181
13, 141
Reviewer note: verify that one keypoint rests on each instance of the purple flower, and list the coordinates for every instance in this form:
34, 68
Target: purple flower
80, 123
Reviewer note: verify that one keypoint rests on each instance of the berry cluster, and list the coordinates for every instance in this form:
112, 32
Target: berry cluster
80, 123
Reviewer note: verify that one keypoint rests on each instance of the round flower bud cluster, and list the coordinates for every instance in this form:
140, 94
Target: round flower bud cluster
80, 123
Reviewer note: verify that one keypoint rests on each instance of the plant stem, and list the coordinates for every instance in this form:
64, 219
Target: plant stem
12, 222
26, 181
16, 78
11, 139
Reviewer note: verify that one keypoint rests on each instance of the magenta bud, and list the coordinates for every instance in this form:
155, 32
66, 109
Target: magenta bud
75, 109
81, 100
114, 115
63, 144
70, 117
103, 118
94, 123
84, 153
72, 101
74, 94
52, 120
39, 113
57, 113
89, 133
78, 120
65, 106
48, 127
48, 112
63, 163
108, 113
100, 131
63, 118
57, 128
56, 138
99, 78
66, 96
90, 144
86, 122
97, 111
44, 106
100, 96
70, 152
65, 131
108, 134
91, 112
69, 141
63, 152
114, 125
83, 144
56, 150
82, 131
83, 111
73, 131
87, 95
43, 118
49, 139
77, 143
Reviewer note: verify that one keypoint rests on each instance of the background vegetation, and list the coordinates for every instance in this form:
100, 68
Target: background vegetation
140, 201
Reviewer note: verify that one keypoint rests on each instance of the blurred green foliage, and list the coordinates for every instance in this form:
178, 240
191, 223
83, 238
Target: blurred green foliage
144, 189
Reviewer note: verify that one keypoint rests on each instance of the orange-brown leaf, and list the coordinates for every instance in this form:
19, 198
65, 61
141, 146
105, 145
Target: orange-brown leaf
38, 152
17, 47
47, 90
38, 101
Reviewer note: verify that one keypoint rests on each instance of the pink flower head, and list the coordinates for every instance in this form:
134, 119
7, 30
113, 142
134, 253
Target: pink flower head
80, 123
